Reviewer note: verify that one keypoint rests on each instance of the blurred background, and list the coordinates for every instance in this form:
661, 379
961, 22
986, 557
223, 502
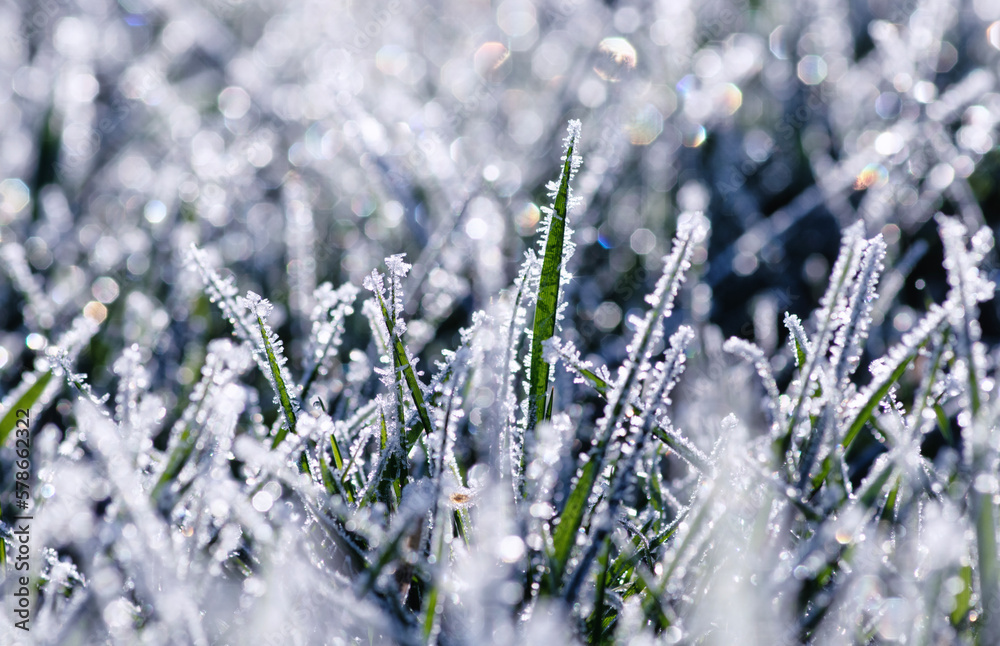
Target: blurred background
302, 142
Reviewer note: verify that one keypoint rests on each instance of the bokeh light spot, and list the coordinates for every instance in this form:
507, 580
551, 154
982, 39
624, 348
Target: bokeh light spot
95, 311
616, 57
646, 126
14, 196
812, 69
695, 135
234, 102
993, 35
871, 175
490, 61
35, 341
516, 17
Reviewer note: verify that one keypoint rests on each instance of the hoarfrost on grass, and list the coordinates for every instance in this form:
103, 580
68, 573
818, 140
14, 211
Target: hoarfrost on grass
474, 453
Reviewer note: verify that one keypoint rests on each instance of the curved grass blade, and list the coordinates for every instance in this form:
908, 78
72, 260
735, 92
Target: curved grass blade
865, 413
24, 402
899, 358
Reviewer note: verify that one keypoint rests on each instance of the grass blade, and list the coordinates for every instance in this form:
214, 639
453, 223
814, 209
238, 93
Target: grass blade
277, 380
402, 363
597, 616
547, 302
24, 402
874, 397
691, 232
571, 518
286, 402
989, 569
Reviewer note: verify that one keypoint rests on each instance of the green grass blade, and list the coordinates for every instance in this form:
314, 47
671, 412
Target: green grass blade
989, 569
3, 558
868, 408
570, 357
330, 483
843, 271
874, 488
338, 459
431, 620
430, 615
279, 384
963, 598
798, 339
402, 362
178, 458
686, 452
689, 234
597, 616
547, 302
564, 536
862, 417
324, 471
24, 402
943, 423
383, 438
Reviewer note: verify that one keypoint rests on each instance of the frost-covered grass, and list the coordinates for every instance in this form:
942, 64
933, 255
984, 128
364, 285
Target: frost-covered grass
324, 343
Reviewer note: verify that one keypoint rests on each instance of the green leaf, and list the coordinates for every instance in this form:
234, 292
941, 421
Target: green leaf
175, 462
800, 352
547, 302
430, 614
3, 558
402, 362
682, 450
989, 568
963, 599
338, 459
283, 398
328, 482
873, 490
569, 521
943, 423
25, 402
597, 616
869, 407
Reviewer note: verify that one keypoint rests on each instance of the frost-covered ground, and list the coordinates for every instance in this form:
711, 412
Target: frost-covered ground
395, 322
